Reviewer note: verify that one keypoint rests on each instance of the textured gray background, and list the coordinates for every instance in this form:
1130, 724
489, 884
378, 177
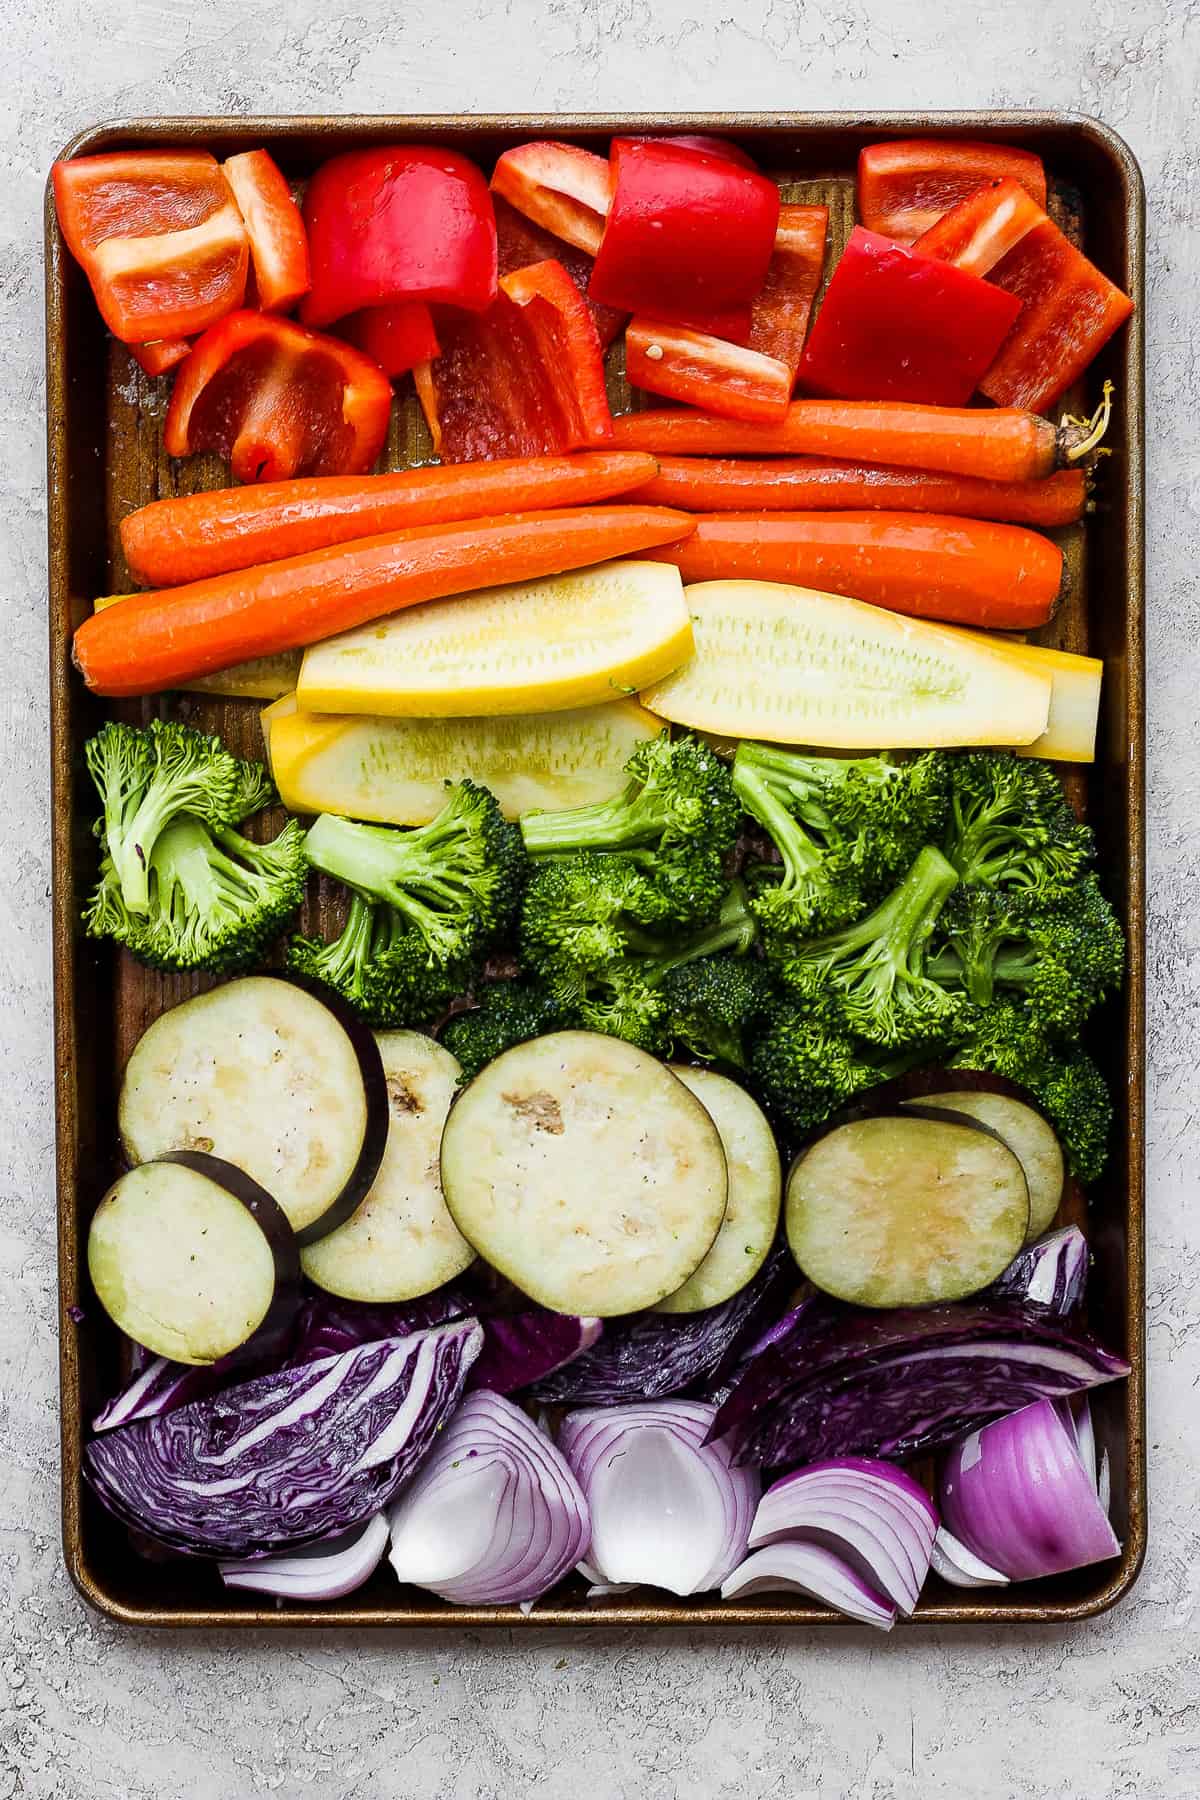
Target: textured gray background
85, 1710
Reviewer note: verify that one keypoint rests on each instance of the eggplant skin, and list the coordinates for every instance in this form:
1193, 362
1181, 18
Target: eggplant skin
275, 1226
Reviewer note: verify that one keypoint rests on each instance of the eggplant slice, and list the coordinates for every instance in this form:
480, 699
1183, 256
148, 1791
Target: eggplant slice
401, 1242
265, 1074
194, 1260
755, 1192
906, 1208
582, 1169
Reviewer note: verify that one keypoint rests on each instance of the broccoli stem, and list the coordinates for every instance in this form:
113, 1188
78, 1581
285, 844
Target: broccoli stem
801, 857
733, 929
630, 818
902, 922
386, 865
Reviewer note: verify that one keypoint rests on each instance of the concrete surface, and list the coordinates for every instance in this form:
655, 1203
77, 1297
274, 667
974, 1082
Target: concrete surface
1107, 1710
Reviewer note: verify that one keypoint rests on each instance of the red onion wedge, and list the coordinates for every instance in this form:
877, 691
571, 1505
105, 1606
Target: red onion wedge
494, 1516
324, 1571
960, 1566
872, 1515
1022, 1494
667, 1509
810, 1569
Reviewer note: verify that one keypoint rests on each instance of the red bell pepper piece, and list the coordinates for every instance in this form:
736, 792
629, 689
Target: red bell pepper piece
906, 186
278, 401
163, 354
779, 320
525, 379
278, 241
160, 237
397, 337
520, 242
407, 223
901, 327
560, 186
706, 371
711, 146
689, 237
1069, 310
976, 233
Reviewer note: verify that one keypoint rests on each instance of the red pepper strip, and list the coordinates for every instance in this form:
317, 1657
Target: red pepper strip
278, 243
779, 321
526, 379
278, 401
160, 356
984, 227
689, 237
159, 236
705, 371
905, 187
397, 337
559, 186
898, 326
407, 223
521, 242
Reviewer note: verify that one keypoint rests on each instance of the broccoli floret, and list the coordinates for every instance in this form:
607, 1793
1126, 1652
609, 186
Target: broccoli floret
1062, 956
820, 885
381, 966
875, 812
1011, 826
578, 909
713, 1006
684, 883
508, 1013
1063, 1080
147, 777
456, 881
805, 1069
216, 900
870, 977
678, 790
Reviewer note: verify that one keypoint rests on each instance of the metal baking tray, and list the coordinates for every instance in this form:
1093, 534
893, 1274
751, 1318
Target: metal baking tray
105, 456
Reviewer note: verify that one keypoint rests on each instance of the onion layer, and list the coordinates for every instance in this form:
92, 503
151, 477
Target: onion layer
810, 1569
494, 1515
324, 1571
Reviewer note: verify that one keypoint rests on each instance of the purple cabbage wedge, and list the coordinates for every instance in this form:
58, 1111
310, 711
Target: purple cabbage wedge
522, 1348
1051, 1273
649, 1355
899, 1383
327, 1325
160, 1387
291, 1457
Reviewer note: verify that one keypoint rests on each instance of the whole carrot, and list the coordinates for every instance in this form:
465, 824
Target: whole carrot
196, 535
159, 639
994, 444
969, 571
816, 483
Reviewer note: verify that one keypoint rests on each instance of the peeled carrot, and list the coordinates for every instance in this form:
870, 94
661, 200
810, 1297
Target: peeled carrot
969, 571
167, 636
994, 444
233, 528
804, 483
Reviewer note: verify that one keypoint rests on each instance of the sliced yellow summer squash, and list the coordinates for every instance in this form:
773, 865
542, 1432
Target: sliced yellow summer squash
535, 646
283, 708
395, 770
263, 679
797, 667
1070, 734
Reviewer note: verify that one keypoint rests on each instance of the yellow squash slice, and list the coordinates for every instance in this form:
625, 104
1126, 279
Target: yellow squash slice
797, 667
1070, 734
396, 770
535, 646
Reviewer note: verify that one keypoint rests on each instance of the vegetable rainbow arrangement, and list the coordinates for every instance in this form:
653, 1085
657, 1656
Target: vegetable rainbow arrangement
667, 1174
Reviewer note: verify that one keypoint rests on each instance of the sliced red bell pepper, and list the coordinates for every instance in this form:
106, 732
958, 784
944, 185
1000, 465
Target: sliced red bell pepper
711, 146
160, 356
779, 319
689, 237
896, 326
520, 242
560, 186
525, 379
905, 186
976, 233
397, 337
278, 401
278, 240
160, 237
706, 371
1069, 310
406, 223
